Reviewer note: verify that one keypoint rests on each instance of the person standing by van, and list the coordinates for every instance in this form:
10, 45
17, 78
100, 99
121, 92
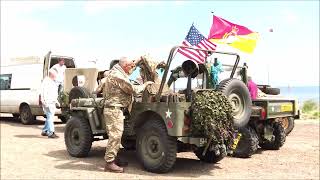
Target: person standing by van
60, 68
49, 99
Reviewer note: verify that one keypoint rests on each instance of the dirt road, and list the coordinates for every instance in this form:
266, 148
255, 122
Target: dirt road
26, 154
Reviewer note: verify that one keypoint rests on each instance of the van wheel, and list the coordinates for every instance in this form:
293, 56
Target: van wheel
78, 137
15, 115
156, 150
26, 115
239, 97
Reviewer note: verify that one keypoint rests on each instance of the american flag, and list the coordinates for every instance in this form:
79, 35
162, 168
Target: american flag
197, 40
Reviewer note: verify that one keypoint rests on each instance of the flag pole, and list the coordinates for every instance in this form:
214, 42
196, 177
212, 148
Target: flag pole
212, 12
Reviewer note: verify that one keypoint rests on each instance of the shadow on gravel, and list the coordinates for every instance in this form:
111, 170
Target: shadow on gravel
29, 136
16, 122
95, 162
259, 151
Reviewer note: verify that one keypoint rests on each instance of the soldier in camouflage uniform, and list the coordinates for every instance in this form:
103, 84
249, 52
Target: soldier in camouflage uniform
148, 72
118, 93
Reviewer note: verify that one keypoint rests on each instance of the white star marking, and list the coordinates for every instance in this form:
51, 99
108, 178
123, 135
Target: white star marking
168, 114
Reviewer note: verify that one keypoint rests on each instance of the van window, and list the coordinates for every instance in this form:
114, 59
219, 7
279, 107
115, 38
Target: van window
5, 81
69, 63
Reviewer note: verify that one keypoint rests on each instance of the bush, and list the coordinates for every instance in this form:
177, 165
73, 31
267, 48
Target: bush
309, 106
316, 115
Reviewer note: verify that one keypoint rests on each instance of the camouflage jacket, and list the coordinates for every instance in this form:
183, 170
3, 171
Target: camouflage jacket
148, 67
117, 90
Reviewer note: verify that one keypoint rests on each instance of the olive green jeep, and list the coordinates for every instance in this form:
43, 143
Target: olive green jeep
159, 125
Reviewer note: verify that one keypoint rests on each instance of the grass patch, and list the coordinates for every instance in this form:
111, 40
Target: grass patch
310, 110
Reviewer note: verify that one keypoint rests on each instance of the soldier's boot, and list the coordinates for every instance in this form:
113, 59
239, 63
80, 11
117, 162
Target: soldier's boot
121, 162
112, 167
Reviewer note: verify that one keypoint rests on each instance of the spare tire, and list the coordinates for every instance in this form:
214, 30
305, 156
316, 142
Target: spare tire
78, 92
272, 91
239, 97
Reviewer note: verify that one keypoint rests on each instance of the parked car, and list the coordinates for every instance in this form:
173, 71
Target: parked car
20, 81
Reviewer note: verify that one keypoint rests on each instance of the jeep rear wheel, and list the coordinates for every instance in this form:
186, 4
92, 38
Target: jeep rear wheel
287, 123
26, 116
278, 140
156, 149
78, 137
248, 143
239, 97
209, 157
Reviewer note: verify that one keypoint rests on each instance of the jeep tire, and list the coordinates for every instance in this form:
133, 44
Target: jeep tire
209, 157
279, 138
239, 97
272, 91
156, 150
78, 137
248, 143
287, 123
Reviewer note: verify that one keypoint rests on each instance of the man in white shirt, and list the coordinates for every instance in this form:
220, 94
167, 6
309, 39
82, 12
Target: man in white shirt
60, 68
49, 99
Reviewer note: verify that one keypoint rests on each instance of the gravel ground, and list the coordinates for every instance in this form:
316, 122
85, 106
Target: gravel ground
25, 154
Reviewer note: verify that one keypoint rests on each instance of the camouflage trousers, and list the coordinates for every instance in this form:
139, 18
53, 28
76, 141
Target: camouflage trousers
114, 125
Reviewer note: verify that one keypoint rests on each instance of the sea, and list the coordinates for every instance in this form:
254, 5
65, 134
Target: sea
302, 93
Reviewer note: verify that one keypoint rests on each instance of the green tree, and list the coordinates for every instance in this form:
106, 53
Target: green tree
309, 106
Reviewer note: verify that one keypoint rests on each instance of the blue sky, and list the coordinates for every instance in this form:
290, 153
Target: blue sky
106, 30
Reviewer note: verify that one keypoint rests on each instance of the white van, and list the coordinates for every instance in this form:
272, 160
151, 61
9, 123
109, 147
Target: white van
20, 81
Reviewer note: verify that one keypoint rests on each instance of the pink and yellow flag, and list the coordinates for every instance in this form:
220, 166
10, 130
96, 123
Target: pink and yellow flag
237, 36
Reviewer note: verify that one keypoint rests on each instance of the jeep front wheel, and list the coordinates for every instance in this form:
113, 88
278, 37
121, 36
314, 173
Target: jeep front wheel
78, 137
156, 149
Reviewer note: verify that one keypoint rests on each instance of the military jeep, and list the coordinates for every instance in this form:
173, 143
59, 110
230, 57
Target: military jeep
158, 126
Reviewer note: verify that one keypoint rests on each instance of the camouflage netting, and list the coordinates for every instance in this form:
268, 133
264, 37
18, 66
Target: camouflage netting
212, 116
